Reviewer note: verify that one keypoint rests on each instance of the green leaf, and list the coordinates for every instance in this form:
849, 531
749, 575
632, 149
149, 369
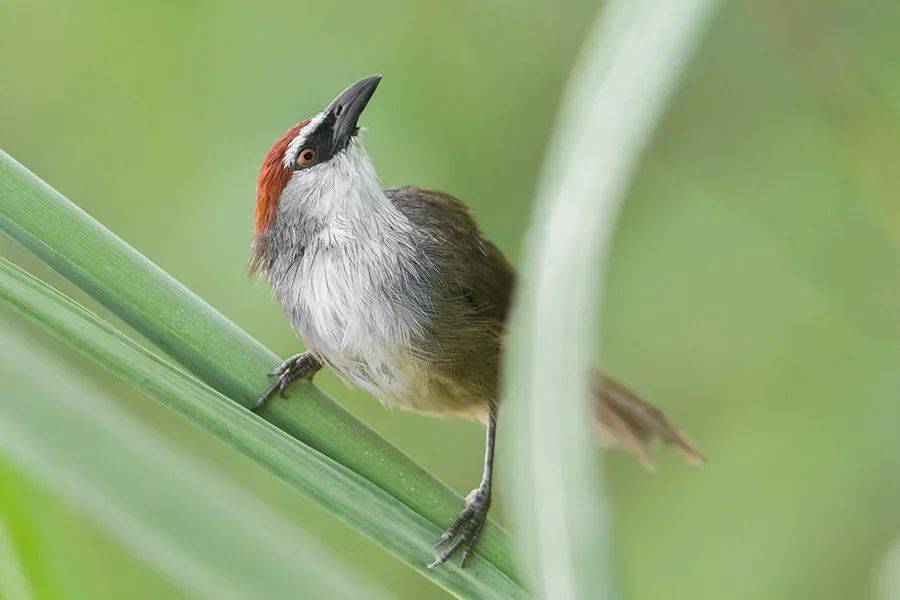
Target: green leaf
228, 359
62, 551
202, 531
615, 96
13, 584
348, 495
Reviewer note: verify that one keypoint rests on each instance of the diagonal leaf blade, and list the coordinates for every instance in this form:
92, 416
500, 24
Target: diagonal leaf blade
348, 495
213, 348
212, 538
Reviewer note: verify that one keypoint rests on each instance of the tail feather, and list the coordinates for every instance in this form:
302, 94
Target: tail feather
623, 418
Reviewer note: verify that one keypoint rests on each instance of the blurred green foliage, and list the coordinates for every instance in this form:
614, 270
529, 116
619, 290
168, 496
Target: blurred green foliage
753, 290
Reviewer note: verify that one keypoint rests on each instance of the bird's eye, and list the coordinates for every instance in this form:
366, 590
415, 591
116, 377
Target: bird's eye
307, 157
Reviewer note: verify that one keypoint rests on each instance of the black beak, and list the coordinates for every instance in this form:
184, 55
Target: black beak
347, 107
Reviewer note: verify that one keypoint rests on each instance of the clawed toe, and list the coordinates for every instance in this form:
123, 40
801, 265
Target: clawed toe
301, 366
464, 532
276, 387
286, 366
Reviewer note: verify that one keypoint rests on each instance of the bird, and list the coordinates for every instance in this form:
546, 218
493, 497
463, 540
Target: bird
398, 291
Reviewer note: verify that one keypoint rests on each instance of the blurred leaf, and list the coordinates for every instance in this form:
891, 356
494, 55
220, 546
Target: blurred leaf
62, 551
219, 352
751, 290
887, 576
348, 495
13, 585
616, 94
204, 532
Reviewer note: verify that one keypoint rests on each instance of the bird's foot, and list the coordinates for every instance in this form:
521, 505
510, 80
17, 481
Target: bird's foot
299, 366
465, 530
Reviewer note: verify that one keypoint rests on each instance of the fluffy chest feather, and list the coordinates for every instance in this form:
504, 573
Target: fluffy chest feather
371, 283
352, 292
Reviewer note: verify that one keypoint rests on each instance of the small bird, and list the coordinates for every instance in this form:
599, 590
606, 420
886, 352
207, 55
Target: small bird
399, 292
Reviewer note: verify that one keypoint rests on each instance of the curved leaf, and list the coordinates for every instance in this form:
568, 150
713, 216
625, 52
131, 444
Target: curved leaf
203, 531
615, 96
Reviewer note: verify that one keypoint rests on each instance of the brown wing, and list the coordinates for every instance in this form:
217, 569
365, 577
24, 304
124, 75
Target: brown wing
468, 261
470, 286
477, 288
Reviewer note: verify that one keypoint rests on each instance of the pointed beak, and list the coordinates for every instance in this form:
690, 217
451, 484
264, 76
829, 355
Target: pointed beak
348, 106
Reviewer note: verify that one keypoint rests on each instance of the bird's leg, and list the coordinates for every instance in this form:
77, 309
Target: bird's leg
464, 531
299, 366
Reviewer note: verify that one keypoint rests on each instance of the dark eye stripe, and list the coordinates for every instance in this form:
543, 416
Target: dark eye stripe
320, 141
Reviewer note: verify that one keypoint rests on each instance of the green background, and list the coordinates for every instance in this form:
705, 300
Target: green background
752, 293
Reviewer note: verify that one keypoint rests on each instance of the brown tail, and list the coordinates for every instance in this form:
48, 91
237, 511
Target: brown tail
625, 419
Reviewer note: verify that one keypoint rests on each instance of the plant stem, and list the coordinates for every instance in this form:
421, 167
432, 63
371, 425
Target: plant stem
614, 98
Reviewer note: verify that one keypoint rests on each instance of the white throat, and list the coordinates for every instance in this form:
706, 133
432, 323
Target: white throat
341, 195
341, 254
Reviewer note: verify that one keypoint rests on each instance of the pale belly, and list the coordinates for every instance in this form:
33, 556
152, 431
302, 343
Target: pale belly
346, 317
391, 372
366, 322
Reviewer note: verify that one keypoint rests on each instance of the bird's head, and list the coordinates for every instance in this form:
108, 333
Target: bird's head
314, 154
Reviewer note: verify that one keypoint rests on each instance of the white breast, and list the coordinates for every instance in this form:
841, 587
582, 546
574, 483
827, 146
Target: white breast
342, 264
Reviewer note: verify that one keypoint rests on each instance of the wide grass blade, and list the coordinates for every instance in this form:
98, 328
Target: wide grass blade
338, 489
213, 348
615, 96
204, 532
63, 553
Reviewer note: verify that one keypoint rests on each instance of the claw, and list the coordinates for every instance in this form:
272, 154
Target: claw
284, 367
270, 391
461, 519
300, 366
444, 537
465, 530
467, 549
